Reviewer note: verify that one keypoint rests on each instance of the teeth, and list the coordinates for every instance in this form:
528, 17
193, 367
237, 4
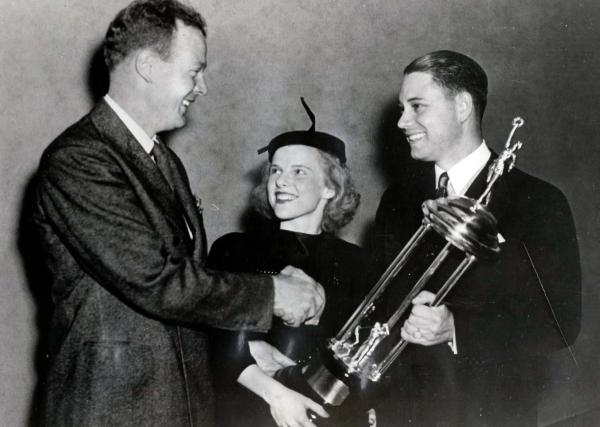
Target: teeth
186, 103
415, 137
284, 197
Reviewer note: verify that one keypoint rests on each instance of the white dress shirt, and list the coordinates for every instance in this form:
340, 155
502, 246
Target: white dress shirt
462, 174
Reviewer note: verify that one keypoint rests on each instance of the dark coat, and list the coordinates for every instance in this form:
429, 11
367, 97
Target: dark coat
504, 327
130, 288
337, 265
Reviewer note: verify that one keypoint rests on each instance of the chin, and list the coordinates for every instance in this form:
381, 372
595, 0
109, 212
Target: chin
419, 155
282, 214
171, 126
415, 155
180, 121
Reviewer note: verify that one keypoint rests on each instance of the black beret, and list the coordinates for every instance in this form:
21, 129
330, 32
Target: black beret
311, 138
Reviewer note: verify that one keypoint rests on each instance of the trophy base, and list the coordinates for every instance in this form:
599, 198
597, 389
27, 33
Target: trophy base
328, 378
320, 381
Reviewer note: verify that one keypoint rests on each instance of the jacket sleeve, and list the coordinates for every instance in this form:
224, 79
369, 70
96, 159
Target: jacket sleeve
553, 254
534, 303
87, 200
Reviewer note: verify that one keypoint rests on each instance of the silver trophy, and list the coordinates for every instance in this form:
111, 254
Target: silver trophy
370, 341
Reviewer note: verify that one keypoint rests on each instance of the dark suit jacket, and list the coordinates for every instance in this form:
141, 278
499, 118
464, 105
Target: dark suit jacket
129, 286
504, 327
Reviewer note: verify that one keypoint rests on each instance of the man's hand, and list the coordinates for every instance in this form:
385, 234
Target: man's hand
297, 297
428, 325
268, 358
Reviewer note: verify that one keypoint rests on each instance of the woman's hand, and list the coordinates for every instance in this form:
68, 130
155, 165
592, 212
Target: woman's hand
268, 358
291, 409
288, 408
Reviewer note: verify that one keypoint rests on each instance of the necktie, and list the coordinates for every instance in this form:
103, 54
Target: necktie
160, 155
442, 188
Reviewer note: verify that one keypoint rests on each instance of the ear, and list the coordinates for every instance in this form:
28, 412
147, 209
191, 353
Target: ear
464, 106
328, 193
144, 64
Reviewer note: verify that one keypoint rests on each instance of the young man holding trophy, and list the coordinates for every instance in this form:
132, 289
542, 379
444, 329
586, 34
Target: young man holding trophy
506, 314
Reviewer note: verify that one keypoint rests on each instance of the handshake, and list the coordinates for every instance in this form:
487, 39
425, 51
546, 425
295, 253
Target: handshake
298, 298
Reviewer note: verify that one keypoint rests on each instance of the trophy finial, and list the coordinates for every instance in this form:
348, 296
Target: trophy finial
506, 159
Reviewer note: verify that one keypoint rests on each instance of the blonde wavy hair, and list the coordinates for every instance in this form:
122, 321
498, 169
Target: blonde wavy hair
339, 210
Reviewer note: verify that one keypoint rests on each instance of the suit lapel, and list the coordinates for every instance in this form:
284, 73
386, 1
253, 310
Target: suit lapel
193, 212
120, 139
188, 202
423, 178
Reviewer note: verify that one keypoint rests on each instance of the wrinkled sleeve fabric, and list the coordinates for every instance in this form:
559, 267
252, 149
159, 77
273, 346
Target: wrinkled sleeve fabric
92, 207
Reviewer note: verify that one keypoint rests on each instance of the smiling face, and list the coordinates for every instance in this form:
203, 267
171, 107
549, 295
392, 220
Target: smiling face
430, 120
179, 79
296, 188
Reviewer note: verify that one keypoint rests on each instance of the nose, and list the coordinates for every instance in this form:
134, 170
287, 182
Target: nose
282, 180
405, 119
200, 85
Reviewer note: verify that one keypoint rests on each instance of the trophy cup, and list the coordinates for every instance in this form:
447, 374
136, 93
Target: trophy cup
370, 341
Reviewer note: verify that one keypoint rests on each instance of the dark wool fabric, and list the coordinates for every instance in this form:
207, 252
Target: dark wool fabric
130, 289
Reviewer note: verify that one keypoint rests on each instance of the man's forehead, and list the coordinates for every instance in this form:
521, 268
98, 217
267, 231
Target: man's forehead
190, 40
419, 85
188, 34
190, 30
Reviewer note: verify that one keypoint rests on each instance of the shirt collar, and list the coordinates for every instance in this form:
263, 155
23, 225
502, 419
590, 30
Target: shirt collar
462, 174
139, 134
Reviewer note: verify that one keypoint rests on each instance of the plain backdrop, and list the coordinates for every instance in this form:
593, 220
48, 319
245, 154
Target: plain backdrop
346, 58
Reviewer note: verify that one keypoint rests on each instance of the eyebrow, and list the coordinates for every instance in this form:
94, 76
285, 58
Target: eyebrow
292, 166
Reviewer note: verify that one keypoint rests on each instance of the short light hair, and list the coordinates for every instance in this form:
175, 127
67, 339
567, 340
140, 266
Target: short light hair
339, 210
147, 24
455, 72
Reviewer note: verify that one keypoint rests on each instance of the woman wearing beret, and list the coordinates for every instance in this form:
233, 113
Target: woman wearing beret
307, 192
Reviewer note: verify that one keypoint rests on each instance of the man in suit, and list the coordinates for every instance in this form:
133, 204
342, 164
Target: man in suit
125, 245
506, 314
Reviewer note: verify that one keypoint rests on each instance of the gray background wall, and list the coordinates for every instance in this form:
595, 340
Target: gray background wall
346, 58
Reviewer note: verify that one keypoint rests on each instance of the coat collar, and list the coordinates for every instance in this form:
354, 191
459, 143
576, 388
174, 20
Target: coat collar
116, 135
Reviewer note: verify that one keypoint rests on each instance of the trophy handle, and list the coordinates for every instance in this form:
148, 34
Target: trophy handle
379, 370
